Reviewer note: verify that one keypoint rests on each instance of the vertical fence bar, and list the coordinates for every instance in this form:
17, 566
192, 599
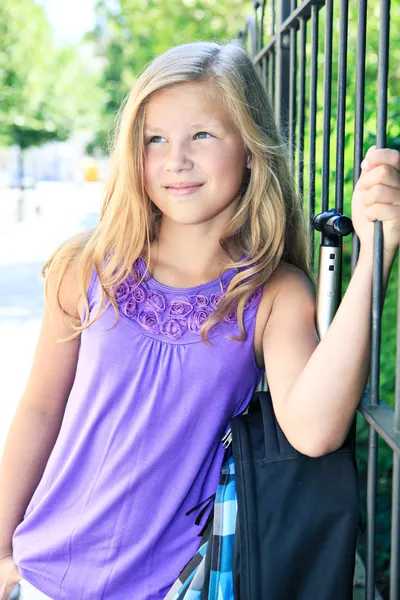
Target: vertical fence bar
358, 153
268, 72
273, 24
313, 119
397, 389
262, 24
272, 55
341, 104
359, 111
264, 70
282, 78
395, 534
377, 300
302, 106
248, 36
341, 118
327, 104
378, 251
378, 232
292, 92
256, 6
264, 60
371, 514
271, 87
358, 136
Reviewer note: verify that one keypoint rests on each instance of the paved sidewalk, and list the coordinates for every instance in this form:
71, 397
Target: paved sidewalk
66, 209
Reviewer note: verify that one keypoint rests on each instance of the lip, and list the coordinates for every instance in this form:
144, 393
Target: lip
186, 184
183, 189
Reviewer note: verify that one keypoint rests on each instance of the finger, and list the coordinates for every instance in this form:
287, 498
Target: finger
380, 194
382, 212
381, 156
382, 175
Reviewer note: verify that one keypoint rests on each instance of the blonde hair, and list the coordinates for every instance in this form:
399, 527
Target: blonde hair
269, 226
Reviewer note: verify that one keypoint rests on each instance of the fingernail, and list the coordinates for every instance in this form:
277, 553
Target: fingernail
370, 149
364, 164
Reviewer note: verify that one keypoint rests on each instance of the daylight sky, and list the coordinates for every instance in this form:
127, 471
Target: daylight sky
69, 18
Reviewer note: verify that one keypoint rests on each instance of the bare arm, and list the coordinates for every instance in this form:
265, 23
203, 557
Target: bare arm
318, 385
38, 417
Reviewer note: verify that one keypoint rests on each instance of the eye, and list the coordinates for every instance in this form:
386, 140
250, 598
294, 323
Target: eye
203, 133
155, 137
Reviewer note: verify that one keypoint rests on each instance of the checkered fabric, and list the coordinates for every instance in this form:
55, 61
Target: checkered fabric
208, 575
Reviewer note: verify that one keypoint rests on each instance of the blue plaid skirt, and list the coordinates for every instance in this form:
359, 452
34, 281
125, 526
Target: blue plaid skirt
209, 574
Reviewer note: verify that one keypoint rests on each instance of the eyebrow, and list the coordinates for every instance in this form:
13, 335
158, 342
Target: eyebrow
200, 124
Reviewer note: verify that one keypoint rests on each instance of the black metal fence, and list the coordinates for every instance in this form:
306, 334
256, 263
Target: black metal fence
276, 37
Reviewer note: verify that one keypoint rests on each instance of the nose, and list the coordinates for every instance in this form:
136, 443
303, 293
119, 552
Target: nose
178, 158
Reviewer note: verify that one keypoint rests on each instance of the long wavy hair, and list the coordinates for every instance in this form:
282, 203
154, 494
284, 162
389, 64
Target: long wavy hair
269, 226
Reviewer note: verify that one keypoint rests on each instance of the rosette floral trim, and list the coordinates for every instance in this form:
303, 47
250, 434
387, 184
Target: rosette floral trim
172, 318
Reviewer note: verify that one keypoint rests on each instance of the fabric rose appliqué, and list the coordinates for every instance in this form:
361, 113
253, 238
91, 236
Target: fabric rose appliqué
130, 309
173, 328
139, 293
199, 299
148, 318
156, 300
131, 281
216, 299
122, 292
180, 307
196, 318
172, 318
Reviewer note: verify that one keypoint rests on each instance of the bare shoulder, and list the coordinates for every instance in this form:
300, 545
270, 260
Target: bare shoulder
289, 336
62, 290
286, 275
288, 295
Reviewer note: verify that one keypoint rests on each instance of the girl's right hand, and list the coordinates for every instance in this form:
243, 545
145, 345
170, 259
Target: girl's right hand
9, 577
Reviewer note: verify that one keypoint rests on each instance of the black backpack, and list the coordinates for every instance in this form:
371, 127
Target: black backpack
297, 519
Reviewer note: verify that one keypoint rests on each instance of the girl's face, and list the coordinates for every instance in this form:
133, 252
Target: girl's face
195, 157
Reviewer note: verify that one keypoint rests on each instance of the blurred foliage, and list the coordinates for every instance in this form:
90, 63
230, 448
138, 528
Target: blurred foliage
46, 92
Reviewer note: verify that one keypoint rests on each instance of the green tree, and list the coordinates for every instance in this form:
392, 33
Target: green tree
24, 71
46, 92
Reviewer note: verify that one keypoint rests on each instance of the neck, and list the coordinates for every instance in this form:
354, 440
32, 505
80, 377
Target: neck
189, 250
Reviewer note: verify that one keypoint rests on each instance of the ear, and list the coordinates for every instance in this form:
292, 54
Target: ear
248, 164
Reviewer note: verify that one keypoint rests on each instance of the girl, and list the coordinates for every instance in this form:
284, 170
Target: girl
196, 279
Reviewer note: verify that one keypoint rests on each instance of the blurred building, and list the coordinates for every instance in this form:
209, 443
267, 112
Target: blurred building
54, 161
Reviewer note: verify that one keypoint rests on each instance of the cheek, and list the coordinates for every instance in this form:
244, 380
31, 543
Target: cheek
228, 166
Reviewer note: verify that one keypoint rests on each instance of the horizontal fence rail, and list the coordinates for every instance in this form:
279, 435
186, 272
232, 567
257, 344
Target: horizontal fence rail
276, 37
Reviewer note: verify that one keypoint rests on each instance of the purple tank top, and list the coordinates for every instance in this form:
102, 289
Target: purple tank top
139, 444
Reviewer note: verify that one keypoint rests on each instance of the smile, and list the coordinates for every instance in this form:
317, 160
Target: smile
183, 191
